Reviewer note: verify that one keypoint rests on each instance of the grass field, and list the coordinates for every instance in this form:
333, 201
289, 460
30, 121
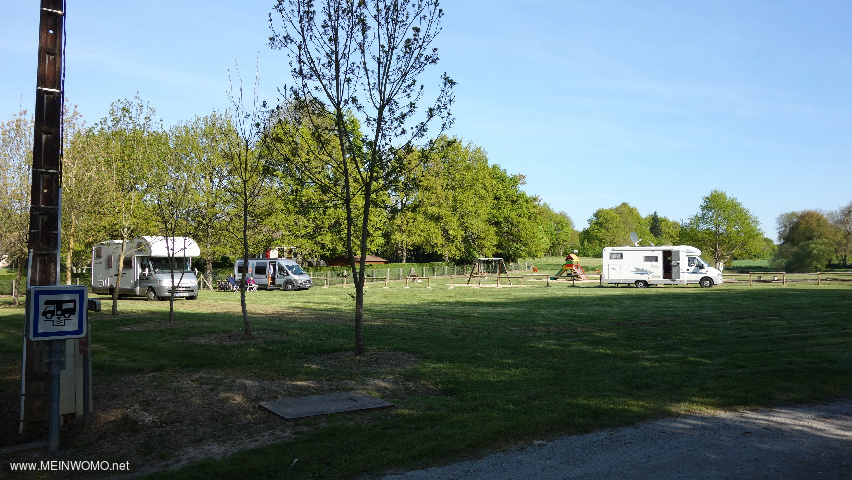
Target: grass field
469, 369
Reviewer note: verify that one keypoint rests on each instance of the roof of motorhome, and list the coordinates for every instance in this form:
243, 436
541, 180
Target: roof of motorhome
155, 246
649, 248
179, 246
263, 259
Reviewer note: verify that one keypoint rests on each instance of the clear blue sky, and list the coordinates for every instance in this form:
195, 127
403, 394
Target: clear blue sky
653, 103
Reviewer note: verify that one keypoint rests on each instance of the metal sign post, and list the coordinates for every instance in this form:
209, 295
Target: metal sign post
56, 313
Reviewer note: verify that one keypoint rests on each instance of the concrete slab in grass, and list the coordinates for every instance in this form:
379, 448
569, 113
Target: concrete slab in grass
291, 408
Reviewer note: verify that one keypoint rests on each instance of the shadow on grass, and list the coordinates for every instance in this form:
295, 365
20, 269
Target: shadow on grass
477, 369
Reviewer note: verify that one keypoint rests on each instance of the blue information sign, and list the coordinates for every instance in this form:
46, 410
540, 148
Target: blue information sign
56, 312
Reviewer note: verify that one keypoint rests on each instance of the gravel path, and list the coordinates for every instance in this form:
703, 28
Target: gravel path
811, 442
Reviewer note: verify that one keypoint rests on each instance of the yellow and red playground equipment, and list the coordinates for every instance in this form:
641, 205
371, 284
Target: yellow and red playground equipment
571, 269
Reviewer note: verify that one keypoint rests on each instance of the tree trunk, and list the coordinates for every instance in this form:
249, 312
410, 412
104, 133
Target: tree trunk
68, 258
208, 273
243, 284
16, 287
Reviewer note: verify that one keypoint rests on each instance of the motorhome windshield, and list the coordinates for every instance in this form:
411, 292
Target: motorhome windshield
161, 265
295, 269
697, 262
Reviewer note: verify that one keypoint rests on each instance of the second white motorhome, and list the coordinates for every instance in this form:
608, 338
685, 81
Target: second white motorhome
153, 267
275, 273
657, 265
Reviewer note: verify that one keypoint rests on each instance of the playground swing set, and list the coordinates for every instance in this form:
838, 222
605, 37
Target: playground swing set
483, 266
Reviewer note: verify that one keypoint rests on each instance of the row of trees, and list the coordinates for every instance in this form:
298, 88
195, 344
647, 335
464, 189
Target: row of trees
127, 175
811, 239
723, 229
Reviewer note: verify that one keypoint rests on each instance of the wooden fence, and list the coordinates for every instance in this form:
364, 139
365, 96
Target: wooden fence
782, 278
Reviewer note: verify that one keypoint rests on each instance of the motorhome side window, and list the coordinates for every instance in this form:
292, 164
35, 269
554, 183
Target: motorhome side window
260, 269
240, 268
99, 252
651, 258
616, 256
128, 262
109, 261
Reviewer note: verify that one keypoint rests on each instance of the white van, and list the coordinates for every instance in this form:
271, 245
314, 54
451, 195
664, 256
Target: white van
657, 265
275, 273
147, 271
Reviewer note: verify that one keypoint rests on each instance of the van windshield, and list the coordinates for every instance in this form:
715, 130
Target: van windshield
697, 262
295, 269
161, 265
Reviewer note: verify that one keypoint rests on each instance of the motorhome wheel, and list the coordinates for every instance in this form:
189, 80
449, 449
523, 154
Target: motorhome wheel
152, 295
641, 284
289, 287
706, 282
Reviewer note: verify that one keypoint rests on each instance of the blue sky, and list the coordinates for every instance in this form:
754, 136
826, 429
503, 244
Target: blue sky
654, 103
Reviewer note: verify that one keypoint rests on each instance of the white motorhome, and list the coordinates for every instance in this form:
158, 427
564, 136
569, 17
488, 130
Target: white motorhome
657, 265
153, 267
275, 273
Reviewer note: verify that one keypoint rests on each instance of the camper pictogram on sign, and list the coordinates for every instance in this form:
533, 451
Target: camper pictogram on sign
56, 312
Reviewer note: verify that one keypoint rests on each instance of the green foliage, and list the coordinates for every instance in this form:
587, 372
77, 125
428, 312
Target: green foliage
605, 230
842, 219
724, 229
561, 237
611, 227
516, 218
16, 154
456, 202
663, 231
809, 241
809, 256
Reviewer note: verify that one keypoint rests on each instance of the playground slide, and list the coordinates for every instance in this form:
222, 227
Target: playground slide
575, 271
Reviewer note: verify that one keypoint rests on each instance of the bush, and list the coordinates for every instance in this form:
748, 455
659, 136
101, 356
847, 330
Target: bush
811, 256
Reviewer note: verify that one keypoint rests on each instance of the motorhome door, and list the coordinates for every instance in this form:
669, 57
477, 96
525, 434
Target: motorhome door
676, 266
272, 273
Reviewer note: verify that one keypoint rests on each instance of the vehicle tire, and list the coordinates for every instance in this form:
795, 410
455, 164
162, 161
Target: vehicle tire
289, 287
151, 295
706, 282
641, 284
192, 298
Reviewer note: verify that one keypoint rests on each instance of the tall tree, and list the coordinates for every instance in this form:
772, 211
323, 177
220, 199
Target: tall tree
516, 218
168, 193
613, 228
842, 219
562, 237
249, 182
456, 201
16, 156
128, 138
809, 241
82, 179
724, 228
606, 229
663, 231
201, 144
367, 57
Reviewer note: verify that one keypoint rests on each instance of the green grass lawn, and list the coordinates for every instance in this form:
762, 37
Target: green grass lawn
491, 367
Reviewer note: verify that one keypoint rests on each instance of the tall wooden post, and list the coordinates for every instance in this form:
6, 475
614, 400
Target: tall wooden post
45, 209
